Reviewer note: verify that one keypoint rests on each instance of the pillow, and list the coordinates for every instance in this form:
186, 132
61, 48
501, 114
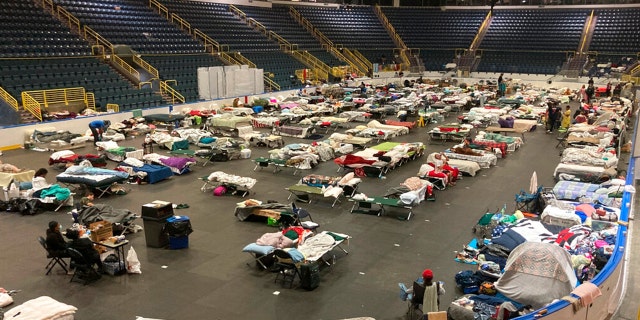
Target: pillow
258, 249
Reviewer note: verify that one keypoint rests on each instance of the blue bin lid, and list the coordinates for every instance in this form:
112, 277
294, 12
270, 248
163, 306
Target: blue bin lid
177, 219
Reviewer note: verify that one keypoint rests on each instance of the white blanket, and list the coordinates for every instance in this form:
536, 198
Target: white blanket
41, 308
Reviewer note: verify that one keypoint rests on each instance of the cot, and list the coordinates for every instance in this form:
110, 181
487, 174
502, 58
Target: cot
365, 205
240, 185
99, 180
278, 164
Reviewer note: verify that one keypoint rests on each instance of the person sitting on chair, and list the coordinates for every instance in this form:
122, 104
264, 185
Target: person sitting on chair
85, 247
432, 292
56, 245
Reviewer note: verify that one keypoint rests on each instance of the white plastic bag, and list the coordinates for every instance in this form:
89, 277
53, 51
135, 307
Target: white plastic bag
5, 299
133, 262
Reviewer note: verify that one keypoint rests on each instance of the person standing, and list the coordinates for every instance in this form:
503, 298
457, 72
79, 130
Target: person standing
608, 89
501, 85
566, 118
98, 127
583, 95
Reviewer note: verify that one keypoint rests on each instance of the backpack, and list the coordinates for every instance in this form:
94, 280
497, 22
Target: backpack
467, 281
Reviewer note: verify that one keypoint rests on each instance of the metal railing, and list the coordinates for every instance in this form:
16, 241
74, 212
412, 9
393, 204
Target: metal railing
113, 106
486, 20
30, 104
392, 31
182, 23
90, 100
586, 33
125, 67
237, 11
91, 35
64, 96
48, 4
145, 65
9, 99
70, 19
165, 88
270, 83
362, 58
243, 60
154, 4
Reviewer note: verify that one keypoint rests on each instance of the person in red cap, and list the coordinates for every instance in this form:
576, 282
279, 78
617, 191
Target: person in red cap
432, 292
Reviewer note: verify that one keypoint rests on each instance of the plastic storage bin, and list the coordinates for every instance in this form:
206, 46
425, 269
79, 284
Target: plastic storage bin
178, 229
178, 242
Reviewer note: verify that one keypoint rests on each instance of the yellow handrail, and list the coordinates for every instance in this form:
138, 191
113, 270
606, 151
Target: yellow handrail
254, 23
385, 21
362, 58
142, 83
272, 84
90, 100
360, 65
167, 89
152, 70
90, 34
237, 11
244, 60
206, 39
48, 4
30, 104
64, 96
113, 106
69, 18
161, 8
127, 68
584, 39
181, 22
100, 48
482, 26
9, 99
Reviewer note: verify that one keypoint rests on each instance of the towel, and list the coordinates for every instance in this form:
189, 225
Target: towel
587, 292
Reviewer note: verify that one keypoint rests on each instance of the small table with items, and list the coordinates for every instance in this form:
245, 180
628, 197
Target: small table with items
118, 248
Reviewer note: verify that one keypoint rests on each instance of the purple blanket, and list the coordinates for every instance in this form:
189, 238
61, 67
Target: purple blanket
177, 162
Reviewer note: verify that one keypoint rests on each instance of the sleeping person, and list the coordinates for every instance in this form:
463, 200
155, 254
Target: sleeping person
9, 168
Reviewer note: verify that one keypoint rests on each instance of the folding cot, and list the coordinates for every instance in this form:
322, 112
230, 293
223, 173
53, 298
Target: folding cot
365, 205
278, 164
99, 180
218, 178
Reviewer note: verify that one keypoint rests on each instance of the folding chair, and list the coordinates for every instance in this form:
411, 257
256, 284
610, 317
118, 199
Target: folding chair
53, 259
309, 224
84, 271
287, 269
529, 202
562, 139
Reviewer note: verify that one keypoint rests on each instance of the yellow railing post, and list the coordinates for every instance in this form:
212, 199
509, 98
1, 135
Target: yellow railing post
125, 66
151, 69
30, 104
161, 8
584, 39
9, 99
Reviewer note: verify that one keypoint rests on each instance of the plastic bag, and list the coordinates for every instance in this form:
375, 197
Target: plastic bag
133, 262
5, 299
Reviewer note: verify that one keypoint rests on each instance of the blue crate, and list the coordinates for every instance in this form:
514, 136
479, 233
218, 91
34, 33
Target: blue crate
178, 242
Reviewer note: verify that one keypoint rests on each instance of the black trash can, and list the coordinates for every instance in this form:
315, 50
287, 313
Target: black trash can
178, 229
154, 218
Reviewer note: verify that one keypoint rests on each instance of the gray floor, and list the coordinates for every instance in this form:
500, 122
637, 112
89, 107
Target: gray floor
212, 278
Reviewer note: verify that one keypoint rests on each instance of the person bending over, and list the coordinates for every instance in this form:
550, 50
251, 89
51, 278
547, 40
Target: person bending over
98, 127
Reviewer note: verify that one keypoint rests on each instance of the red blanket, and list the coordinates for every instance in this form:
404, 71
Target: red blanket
351, 159
407, 124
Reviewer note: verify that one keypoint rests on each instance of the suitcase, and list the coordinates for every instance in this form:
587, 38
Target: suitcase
310, 275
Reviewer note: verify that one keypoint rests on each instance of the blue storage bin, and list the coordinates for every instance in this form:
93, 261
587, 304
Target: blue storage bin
178, 242
258, 109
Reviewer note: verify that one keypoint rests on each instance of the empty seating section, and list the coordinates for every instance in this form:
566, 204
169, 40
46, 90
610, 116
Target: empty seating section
95, 76
521, 62
280, 64
616, 31
435, 60
535, 29
433, 28
354, 27
183, 69
133, 23
27, 31
215, 20
375, 56
278, 20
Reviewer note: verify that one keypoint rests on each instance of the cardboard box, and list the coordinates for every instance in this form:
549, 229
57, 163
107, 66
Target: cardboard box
101, 230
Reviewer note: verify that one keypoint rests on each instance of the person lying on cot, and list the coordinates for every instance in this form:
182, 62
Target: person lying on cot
9, 168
